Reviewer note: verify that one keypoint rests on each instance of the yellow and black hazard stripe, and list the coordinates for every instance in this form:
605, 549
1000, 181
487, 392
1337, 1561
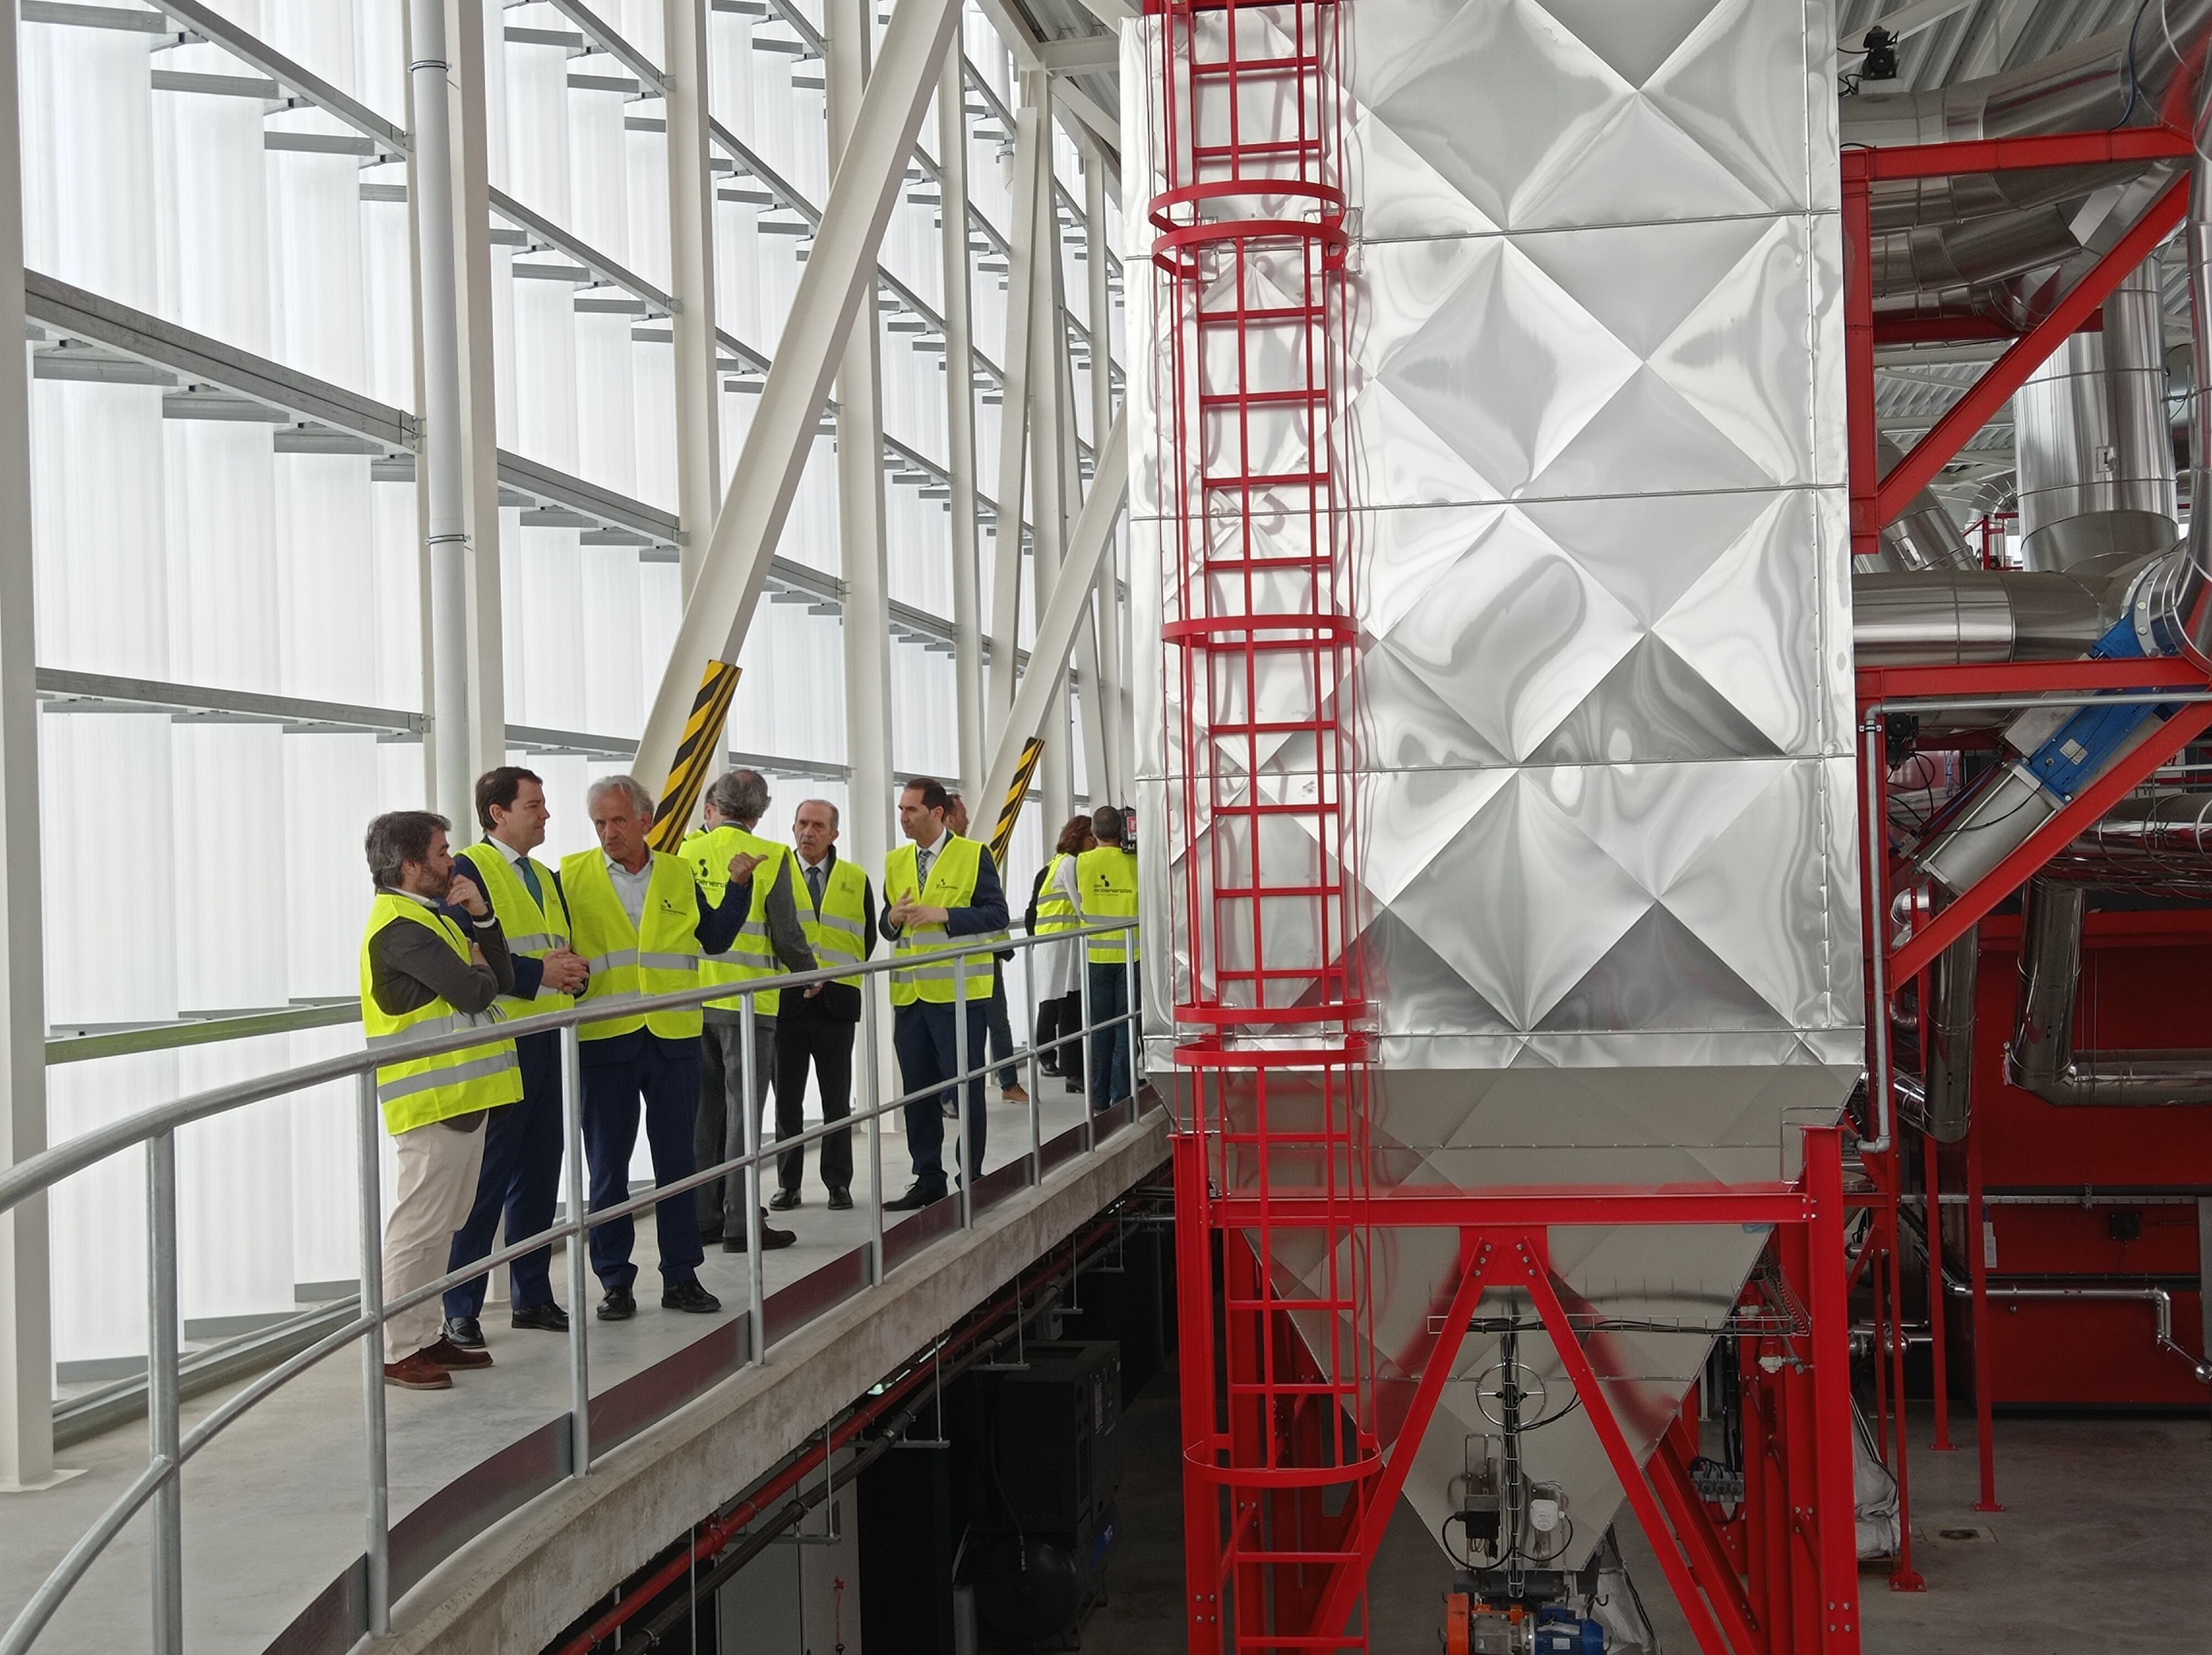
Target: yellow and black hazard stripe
696, 755
1011, 811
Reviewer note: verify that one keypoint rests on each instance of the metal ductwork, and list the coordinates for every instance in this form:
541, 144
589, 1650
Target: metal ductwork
2158, 845
2043, 1059
1924, 538
2096, 452
2008, 246
1949, 1038
1980, 615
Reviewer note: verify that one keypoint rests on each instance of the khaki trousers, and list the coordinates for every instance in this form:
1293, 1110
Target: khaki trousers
438, 1168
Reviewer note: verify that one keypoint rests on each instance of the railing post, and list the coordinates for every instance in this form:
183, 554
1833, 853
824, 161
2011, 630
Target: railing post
163, 1433
1089, 1055
960, 1057
872, 1100
369, 1148
1130, 1019
756, 1284
579, 1250
1035, 1075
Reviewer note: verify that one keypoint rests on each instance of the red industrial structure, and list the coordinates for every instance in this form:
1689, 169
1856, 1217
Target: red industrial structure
1293, 1466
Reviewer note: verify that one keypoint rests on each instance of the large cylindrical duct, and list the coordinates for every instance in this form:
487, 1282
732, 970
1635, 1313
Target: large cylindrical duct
1925, 537
1949, 1038
2089, 429
1979, 615
2043, 1059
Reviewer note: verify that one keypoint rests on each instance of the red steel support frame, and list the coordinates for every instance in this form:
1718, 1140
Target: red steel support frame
1876, 501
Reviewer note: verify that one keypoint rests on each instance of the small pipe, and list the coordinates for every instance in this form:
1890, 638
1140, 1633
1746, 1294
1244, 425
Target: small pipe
1878, 965
2159, 1300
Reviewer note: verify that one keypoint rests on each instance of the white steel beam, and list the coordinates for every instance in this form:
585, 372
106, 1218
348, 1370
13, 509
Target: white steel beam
691, 263
477, 357
838, 278
443, 463
26, 1418
1030, 148
862, 540
960, 415
1062, 615
1106, 606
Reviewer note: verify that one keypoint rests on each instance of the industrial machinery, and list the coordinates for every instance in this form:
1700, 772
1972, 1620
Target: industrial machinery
1588, 757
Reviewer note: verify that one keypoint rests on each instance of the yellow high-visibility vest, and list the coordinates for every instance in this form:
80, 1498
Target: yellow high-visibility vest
951, 883
416, 1092
840, 932
1054, 910
750, 954
1106, 878
627, 962
540, 928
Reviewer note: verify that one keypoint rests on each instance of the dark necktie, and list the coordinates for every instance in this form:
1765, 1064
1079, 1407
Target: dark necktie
814, 887
530, 880
922, 859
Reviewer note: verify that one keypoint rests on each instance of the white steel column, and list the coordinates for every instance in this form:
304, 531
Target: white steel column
691, 281
27, 1412
960, 418
838, 278
1048, 479
444, 457
860, 485
1014, 404
478, 365
1113, 718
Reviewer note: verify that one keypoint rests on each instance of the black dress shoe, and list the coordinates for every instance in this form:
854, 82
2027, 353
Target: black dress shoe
618, 1306
771, 1239
918, 1195
689, 1296
783, 1200
841, 1200
464, 1331
548, 1317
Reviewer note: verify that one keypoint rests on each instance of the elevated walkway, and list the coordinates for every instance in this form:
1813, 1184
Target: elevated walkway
495, 1544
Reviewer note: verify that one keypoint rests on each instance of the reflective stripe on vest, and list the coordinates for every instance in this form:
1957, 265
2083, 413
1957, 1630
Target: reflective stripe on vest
626, 966
1054, 910
951, 883
416, 1092
1106, 877
839, 933
547, 923
750, 955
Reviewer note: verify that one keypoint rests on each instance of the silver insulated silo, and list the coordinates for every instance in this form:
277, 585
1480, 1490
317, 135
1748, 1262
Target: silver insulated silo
1596, 448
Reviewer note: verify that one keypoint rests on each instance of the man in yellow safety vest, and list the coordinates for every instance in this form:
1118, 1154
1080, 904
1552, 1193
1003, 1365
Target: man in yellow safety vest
641, 921
433, 960
770, 941
939, 886
838, 907
1106, 884
521, 1175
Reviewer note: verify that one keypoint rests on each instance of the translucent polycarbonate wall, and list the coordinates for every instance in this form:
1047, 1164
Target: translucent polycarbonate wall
198, 864
1596, 419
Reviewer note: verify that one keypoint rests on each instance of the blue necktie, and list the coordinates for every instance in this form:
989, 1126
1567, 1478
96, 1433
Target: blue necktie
530, 880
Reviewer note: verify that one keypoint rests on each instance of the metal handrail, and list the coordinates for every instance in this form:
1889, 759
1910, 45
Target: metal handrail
160, 1483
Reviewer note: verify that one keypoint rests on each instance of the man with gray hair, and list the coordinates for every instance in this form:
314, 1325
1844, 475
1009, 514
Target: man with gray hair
770, 940
641, 919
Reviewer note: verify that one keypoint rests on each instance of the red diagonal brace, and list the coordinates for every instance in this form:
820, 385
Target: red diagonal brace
1709, 1560
1349, 1577
2010, 371
2132, 770
2126, 143
1705, 1624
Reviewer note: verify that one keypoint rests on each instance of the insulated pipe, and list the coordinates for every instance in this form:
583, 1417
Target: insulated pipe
2159, 1300
1924, 538
1978, 615
2161, 843
2042, 1059
2095, 451
445, 435
1950, 1038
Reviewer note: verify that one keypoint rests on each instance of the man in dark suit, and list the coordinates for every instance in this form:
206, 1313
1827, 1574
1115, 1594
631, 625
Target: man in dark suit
837, 907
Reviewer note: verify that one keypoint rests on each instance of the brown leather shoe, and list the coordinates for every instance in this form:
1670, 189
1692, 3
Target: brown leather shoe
417, 1372
446, 1353
1015, 1094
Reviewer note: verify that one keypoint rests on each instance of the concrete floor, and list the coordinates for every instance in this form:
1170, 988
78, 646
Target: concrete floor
273, 1508
2105, 1545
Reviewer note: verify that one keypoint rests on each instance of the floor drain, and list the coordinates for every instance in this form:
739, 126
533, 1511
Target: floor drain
1966, 1533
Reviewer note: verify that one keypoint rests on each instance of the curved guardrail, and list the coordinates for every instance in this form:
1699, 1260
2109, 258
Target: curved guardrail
170, 1446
